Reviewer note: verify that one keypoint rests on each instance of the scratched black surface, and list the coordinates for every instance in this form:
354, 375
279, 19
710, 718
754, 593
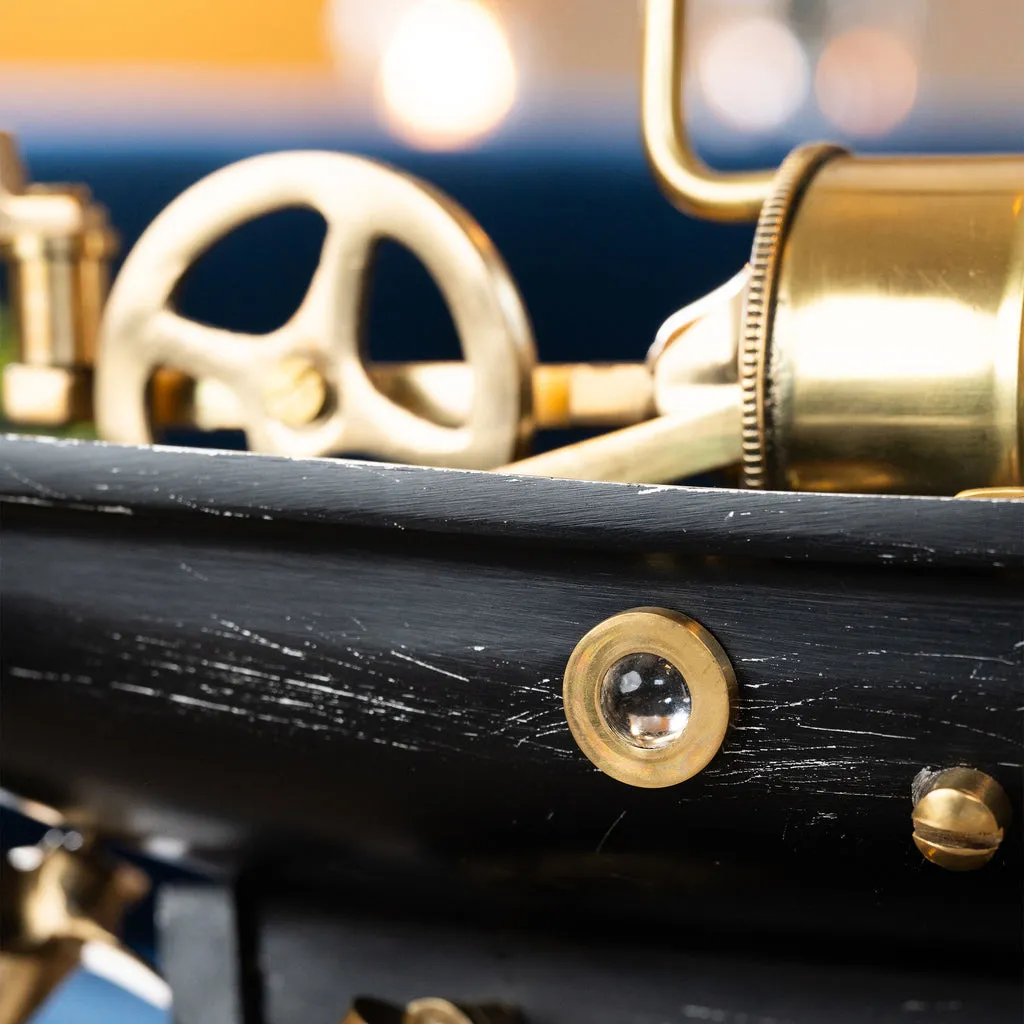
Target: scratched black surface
368, 661
801, 527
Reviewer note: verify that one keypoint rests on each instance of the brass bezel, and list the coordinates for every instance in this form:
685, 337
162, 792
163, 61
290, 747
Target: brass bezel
705, 667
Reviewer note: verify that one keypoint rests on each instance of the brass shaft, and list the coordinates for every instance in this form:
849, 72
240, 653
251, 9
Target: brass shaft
564, 395
661, 450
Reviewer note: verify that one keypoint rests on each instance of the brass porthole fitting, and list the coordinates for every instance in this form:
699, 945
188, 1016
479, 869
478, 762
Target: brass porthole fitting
649, 694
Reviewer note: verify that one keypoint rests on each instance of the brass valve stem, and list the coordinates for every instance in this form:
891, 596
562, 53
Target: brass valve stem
57, 245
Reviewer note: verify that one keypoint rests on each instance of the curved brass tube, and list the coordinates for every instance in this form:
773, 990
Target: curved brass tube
688, 182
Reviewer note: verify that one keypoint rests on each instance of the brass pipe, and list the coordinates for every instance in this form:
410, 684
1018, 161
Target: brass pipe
688, 182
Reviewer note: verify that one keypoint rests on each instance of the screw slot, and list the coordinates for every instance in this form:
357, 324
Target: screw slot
960, 817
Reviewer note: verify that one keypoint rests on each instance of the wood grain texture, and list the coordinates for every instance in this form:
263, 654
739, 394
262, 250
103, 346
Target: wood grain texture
886, 529
370, 660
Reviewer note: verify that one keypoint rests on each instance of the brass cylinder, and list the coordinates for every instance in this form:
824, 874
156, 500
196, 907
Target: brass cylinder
893, 355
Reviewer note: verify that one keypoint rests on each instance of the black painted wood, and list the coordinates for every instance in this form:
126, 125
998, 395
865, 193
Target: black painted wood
312, 959
886, 529
246, 652
317, 963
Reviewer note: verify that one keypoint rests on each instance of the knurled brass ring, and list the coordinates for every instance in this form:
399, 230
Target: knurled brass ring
792, 178
698, 657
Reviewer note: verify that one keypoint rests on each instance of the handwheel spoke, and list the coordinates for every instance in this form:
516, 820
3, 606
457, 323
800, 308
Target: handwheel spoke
329, 319
338, 407
201, 350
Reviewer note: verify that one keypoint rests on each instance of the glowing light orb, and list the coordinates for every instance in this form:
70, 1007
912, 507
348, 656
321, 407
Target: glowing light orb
447, 76
362, 28
753, 73
866, 81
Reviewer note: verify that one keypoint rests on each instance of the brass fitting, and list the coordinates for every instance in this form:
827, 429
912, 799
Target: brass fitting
55, 898
57, 244
960, 817
649, 695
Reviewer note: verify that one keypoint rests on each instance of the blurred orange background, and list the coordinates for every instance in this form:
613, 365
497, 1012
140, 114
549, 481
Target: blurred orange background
276, 32
766, 73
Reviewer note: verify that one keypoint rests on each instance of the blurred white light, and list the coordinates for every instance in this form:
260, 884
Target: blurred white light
866, 81
167, 847
448, 76
26, 858
362, 27
122, 969
753, 73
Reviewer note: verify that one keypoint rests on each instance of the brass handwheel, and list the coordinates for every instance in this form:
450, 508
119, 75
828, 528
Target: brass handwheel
362, 202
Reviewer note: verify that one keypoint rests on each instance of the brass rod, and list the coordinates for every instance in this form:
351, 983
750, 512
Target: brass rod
661, 450
564, 395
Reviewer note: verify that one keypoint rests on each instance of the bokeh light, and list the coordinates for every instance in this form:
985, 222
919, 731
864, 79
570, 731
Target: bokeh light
362, 28
753, 73
866, 81
447, 76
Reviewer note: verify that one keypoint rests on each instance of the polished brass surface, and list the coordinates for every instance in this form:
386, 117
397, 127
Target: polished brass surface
294, 391
992, 492
689, 183
893, 361
794, 175
693, 652
673, 447
693, 364
960, 817
56, 243
46, 396
564, 394
430, 1010
873, 344
362, 202
50, 909
434, 1011
881, 338
695, 349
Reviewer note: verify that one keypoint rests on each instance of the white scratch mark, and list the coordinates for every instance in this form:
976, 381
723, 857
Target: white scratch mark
611, 828
854, 732
250, 635
429, 667
195, 702
966, 657
49, 677
146, 691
